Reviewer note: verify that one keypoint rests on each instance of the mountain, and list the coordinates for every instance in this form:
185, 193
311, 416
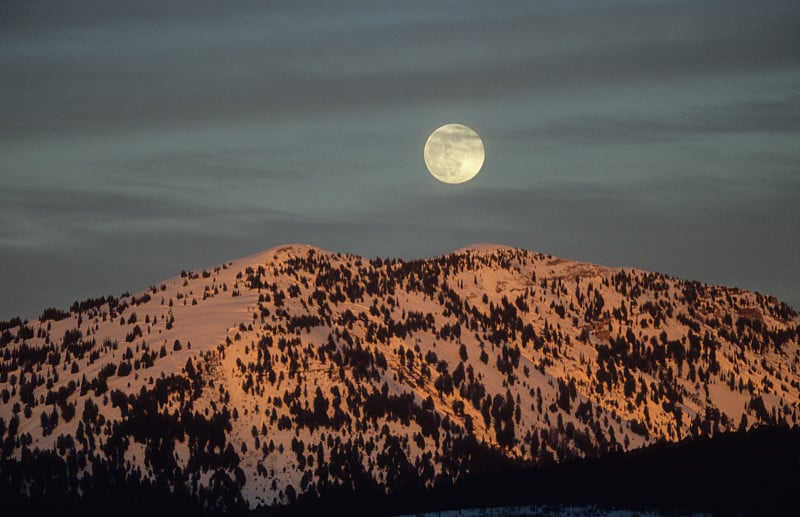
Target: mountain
299, 372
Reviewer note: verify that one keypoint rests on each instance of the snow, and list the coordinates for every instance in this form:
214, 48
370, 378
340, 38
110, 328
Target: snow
207, 317
549, 511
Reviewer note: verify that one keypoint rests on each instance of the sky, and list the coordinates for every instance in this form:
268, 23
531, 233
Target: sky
138, 139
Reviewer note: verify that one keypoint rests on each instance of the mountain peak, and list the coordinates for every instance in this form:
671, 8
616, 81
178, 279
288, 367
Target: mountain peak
484, 247
282, 252
296, 370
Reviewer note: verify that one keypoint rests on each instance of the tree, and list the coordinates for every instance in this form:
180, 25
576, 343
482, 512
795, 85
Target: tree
320, 408
45, 423
68, 412
291, 494
563, 396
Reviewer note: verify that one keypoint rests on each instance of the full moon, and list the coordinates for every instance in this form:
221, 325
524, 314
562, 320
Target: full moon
454, 153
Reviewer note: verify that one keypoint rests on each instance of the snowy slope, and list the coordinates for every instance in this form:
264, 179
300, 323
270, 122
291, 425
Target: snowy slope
297, 369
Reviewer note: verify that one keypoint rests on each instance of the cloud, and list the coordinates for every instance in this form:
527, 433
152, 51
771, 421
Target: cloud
745, 116
137, 139
192, 66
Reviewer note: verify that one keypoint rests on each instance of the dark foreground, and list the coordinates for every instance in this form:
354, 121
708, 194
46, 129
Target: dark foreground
752, 473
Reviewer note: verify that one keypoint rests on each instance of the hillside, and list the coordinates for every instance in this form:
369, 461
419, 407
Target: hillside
298, 370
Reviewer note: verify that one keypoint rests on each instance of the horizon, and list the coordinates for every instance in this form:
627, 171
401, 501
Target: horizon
475, 247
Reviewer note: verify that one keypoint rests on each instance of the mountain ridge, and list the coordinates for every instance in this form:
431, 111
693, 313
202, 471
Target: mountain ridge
302, 369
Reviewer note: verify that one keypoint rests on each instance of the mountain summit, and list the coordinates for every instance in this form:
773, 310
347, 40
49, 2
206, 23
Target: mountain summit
298, 371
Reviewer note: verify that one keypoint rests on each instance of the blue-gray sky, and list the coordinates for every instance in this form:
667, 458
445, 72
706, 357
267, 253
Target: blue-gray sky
141, 138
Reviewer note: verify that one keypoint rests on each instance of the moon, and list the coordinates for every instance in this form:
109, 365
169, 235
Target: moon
454, 154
